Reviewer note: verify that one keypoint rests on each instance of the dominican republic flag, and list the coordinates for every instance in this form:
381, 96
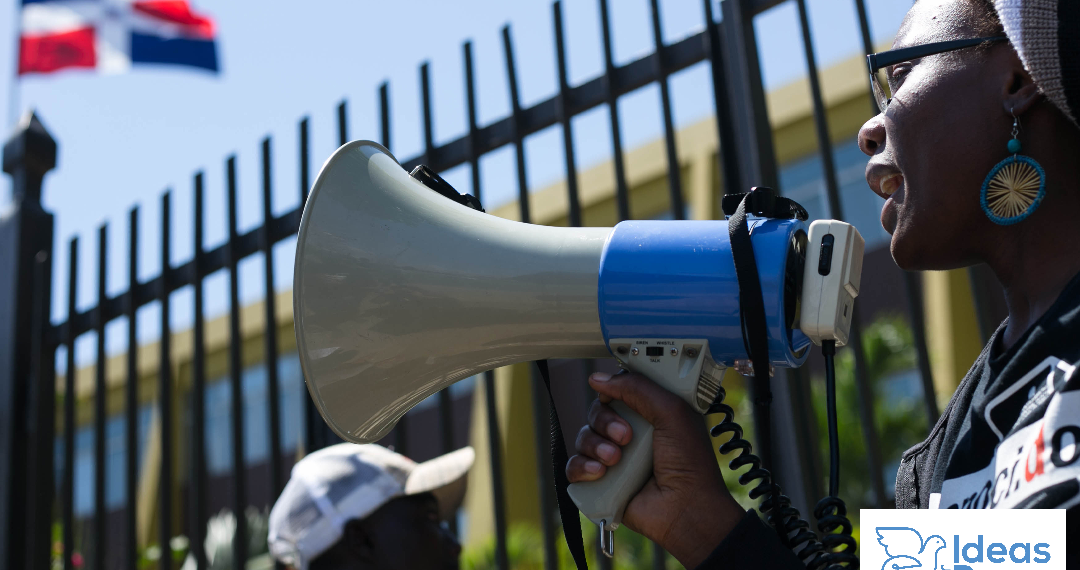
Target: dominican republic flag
111, 35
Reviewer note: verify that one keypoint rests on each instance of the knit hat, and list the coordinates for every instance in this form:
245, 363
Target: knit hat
1046, 35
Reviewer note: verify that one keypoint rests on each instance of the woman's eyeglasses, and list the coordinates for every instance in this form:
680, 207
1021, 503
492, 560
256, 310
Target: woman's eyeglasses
879, 82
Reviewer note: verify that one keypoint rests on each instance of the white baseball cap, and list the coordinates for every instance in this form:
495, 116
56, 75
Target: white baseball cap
346, 481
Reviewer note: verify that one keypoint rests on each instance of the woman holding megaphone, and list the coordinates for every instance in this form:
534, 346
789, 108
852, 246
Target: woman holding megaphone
975, 151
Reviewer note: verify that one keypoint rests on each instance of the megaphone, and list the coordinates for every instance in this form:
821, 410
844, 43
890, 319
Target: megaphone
399, 292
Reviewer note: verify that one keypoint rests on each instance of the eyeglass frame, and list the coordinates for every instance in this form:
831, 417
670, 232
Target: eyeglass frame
877, 61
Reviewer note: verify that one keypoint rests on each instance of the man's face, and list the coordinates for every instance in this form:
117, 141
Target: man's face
406, 533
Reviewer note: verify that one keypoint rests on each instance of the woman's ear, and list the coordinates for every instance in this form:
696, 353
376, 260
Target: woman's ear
358, 541
1020, 93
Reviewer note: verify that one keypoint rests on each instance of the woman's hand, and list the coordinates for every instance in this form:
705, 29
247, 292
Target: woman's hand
684, 506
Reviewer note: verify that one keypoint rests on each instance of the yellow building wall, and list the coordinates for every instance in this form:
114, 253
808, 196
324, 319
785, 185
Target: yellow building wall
513, 395
953, 338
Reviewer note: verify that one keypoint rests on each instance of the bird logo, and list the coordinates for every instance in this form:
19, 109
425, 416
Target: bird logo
906, 548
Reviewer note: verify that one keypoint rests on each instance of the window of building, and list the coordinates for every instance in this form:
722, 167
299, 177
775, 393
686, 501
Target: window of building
291, 395
115, 461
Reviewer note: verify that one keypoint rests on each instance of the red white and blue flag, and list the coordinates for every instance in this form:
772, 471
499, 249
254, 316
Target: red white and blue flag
112, 35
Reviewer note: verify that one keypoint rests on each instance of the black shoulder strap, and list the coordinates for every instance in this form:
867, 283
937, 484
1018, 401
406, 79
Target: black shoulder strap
568, 511
754, 322
761, 202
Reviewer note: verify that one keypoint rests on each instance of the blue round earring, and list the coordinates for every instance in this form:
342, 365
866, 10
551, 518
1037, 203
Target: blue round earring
1015, 187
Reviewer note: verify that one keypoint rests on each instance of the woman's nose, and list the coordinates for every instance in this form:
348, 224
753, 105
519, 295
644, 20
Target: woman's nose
872, 135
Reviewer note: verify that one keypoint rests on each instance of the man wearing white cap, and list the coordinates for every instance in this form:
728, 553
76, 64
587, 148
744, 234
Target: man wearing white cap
365, 507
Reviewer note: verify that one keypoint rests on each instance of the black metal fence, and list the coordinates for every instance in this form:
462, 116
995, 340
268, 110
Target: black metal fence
29, 341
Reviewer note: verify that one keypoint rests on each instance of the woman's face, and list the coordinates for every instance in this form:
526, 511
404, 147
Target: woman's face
944, 130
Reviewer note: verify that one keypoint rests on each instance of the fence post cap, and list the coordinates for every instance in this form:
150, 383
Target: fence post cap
30, 147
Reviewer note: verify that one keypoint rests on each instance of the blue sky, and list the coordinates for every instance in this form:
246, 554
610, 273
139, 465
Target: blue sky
124, 139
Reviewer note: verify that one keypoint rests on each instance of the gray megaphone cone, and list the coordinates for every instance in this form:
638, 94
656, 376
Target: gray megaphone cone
399, 292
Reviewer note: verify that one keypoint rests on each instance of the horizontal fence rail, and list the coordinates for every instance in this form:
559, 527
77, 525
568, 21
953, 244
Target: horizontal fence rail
730, 47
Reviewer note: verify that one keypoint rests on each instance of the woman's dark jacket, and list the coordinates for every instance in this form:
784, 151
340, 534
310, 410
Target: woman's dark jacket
1009, 438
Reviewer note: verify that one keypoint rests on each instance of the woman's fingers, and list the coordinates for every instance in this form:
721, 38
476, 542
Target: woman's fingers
658, 406
604, 421
594, 446
580, 469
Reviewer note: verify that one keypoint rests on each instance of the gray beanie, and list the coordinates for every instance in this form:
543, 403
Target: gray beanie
1046, 35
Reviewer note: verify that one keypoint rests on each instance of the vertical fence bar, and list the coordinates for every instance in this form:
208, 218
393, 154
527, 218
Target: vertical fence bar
515, 121
270, 335
446, 427
197, 489
789, 426
622, 191
725, 132
498, 489
165, 399
678, 209
305, 164
913, 287
41, 418
342, 123
67, 486
502, 559
425, 109
867, 40
100, 396
832, 187
236, 372
27, 407
384, 113
548, 502
541, 426
753, 133
821, 120
131, 398
565, 116
912, 281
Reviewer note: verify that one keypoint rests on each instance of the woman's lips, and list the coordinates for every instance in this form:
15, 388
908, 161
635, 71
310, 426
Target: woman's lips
890, 184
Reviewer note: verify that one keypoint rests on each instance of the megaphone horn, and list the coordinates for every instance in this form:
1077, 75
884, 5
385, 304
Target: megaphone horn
399, 292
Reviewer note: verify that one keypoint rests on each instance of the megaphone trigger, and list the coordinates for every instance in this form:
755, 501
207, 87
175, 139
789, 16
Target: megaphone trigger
682, 366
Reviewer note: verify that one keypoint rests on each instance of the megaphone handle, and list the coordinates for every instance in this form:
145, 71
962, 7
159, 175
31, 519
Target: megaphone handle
604, 500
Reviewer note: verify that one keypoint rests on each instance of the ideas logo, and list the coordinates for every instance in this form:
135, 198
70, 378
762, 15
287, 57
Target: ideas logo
962, 540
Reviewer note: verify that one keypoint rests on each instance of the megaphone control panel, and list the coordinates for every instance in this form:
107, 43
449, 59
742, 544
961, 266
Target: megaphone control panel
831, 279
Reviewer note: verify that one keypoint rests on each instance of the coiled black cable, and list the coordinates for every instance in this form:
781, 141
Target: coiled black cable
838, 547
794, 531
830, 512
